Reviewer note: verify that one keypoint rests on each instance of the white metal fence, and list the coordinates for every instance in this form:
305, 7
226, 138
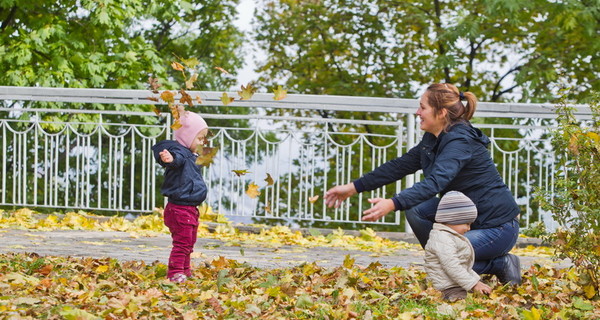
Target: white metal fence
101, 160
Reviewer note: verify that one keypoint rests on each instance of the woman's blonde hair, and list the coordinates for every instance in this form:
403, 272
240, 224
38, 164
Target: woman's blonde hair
447, 96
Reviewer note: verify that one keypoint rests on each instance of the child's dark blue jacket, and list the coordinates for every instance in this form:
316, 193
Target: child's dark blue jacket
183, 183
456, 160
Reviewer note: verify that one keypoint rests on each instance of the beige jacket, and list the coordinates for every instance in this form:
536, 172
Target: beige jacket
449, 259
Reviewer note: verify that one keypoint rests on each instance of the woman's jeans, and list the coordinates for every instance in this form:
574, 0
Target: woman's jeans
183, 224
490, 245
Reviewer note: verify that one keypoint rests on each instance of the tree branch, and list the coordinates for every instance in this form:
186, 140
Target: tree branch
9, 19
496, 95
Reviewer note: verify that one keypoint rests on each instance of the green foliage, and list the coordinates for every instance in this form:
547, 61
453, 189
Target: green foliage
114, 44
393, 48
574, 203
535, 230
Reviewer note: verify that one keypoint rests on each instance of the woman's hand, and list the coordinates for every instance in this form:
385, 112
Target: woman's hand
336, 195
380, 209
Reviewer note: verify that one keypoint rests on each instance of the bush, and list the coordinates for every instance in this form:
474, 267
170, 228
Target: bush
575, 202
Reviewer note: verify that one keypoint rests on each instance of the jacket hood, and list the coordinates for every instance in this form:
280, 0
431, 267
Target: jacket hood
470, 131
166, 144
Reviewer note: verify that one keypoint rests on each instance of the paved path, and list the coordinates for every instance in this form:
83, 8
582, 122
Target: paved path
123, 246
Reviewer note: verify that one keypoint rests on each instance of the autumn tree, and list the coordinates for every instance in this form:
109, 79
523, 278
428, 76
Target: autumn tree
114, 44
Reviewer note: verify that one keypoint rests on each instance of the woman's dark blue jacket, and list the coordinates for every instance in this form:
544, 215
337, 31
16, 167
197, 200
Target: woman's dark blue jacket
456, 160
183, 183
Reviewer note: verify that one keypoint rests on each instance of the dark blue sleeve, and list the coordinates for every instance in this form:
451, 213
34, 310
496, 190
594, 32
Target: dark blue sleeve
178, 157
390, 171
450, 160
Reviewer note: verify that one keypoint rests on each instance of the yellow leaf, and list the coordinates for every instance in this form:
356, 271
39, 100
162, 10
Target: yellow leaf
533, 314
252, 190
190, 82
206, 155
198, 99
268, 207
167, 96
191, 62
226, 99
102, 269
280, 93
348, 262
176, 125
240, 172
177, 66
222, 70
269, 180
247, 92
313, 199
590, 291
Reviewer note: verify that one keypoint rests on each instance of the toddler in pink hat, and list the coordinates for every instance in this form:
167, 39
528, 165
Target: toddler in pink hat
185, 189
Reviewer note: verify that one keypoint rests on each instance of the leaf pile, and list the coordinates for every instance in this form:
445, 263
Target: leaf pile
152, 225
36, 287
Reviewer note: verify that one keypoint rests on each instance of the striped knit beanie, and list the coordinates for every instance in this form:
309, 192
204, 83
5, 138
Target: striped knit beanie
455, 208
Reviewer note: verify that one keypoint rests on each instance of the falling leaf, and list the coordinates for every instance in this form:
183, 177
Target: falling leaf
152, 99
280, 93
222, 70
269, 180
206, 155
240, 172
156, 111
252, 190
190, 82
268, 207
176, 125
167, 96
186, 98
154, 85
226, 99
198, 99
247, 92
177, 66
191, 62
313, 199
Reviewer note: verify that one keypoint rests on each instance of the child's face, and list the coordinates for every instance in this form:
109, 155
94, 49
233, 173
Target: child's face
460, 228
199, 139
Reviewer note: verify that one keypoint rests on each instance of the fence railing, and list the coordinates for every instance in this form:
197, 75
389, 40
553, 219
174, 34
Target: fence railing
75, 158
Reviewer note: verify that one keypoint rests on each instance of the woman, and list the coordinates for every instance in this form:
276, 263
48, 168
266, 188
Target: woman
453, 156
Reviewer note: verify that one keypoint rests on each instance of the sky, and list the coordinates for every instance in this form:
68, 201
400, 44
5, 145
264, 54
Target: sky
243, 22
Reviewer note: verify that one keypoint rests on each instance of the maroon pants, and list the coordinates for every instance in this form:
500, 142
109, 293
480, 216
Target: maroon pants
182, 221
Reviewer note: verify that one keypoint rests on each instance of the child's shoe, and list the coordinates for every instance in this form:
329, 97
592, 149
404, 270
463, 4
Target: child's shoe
178, 278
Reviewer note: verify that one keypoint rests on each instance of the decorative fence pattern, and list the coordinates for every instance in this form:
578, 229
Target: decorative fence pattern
106, 163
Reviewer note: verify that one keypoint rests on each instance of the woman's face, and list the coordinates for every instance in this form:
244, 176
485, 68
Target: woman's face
430, 122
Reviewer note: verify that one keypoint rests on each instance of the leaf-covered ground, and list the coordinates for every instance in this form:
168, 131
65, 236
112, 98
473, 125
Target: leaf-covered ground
34, 287
43, 287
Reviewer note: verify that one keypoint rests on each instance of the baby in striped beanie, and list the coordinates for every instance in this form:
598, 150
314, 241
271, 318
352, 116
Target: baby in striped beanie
449, 256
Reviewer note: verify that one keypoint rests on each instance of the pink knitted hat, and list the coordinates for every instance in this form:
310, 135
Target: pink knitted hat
191, 124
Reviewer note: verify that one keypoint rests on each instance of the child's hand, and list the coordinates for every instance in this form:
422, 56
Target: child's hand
482, 288
166, 156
